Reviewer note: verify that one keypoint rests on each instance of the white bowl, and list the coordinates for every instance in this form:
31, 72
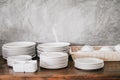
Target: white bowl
89, 63
54, 55
87, 48
54, 66
117, 47
12, 59
106, 49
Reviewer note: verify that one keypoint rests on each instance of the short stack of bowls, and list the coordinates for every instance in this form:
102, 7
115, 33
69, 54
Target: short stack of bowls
53, 55
53, 60
18, 48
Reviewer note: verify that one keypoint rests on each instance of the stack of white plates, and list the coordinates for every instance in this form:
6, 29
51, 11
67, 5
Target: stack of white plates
53, 47
89, 63
18, 48
53, 60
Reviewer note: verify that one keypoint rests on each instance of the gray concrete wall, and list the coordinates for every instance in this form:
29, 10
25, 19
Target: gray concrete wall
95, 22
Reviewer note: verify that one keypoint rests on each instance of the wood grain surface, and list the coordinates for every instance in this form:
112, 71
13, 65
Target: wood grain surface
111, 71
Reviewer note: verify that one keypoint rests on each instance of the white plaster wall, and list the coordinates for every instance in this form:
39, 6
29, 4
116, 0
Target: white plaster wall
95, 22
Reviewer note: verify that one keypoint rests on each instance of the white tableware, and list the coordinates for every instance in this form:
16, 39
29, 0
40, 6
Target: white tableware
19, 44
117, 47
18, 66
106, 49
18, 48
54, 66
54, 45
30, 66
12, 59
54, 55
87, 48
89, 67
25, 66
53, 60
89, 63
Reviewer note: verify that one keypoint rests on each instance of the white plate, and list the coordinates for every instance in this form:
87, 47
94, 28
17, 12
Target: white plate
89, 66
19, 44
89, 61
53, 48
54, 45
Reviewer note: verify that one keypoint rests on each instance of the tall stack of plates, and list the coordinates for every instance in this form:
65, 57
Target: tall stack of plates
18, 48
53, 60
53, 47
89, 63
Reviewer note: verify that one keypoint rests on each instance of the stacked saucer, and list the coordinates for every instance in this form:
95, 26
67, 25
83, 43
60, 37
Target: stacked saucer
53, 60
53, 47
18, 48
89, 63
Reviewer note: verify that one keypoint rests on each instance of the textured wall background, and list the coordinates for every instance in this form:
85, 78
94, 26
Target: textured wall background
95, 22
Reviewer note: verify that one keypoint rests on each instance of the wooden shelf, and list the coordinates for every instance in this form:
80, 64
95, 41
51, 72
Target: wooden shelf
111, 71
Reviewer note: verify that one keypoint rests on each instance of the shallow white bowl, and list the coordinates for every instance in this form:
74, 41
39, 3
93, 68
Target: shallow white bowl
12, 59
54, 55
87, 48
54, 66
89, 61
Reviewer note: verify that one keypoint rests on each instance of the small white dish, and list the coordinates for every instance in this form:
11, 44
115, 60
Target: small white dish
117, 47
25, 66
12, 59
30, 66
86, 48
54, 55
18, 66
89, 61
106, 49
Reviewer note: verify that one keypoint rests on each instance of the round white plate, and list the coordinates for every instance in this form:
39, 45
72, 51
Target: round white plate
89, 66
19, 44
89, 61
54, 45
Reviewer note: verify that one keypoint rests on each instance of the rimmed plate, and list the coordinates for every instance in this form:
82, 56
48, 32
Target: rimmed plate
54, 45
19, 44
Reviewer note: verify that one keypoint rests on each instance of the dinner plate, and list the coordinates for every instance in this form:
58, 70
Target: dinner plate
19, 44
89, 63
54, 45
18, 48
